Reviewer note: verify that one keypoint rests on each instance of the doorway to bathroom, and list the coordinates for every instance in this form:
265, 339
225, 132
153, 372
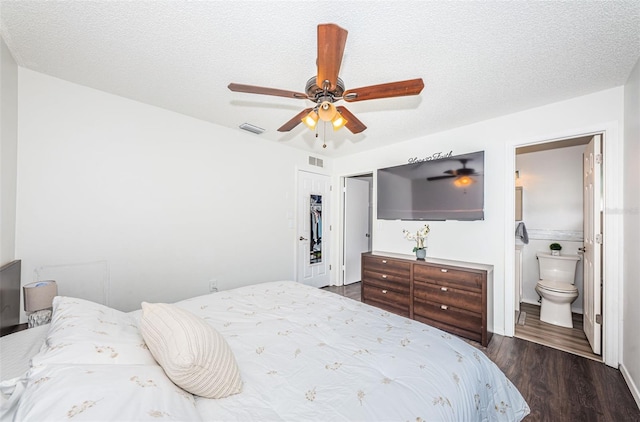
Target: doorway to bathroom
552, 210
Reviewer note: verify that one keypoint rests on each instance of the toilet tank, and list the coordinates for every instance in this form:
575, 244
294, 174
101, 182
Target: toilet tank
558, 268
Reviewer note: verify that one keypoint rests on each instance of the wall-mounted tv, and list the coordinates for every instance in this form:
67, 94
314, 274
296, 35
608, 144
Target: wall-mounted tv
450, 188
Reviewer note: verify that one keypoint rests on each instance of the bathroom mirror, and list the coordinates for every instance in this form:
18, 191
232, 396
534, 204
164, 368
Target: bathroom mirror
518, 203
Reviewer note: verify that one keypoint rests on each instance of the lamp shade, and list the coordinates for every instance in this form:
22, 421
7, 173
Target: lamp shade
327, 111
311, 119
338, 121
39, 295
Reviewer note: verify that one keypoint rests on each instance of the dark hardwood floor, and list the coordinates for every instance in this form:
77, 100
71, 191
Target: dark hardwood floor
558, 386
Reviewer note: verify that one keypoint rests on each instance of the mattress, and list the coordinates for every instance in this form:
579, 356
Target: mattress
303, 354
17, 349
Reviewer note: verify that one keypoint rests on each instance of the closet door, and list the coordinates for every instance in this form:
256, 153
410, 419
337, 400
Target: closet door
314, 231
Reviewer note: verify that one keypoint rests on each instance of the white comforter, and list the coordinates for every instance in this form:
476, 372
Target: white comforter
304, 354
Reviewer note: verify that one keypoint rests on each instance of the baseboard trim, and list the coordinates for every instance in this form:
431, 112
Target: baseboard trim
632, 385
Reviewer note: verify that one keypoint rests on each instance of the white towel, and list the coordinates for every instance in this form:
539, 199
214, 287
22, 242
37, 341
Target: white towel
521, 233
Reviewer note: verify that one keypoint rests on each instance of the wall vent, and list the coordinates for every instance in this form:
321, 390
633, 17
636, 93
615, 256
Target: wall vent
318, 162
251, 128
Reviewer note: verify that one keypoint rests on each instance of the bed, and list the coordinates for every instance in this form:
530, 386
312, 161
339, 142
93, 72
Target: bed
302, 354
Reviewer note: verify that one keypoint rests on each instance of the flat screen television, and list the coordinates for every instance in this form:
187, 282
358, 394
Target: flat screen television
450, 188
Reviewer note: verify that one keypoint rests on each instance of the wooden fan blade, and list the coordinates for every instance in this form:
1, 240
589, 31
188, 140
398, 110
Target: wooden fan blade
392, 89
331, 42
266, 91
440, 177
295, 121
353, 124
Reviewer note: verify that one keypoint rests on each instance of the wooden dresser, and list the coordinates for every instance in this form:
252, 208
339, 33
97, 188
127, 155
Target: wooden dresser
454, 296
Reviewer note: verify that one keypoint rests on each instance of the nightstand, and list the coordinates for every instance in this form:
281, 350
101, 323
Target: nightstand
13, 329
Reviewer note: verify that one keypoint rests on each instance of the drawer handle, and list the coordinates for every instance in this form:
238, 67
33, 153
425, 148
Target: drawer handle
384, 276
384, 261
384, 291
444, 270
444, 289
444, 307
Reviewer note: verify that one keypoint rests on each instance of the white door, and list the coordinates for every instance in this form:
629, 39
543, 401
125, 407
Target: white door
313, 229
592, 203
356, 226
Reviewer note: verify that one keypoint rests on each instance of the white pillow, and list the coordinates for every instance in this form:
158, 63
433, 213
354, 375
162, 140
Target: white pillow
103, 393
191, 352
84, 332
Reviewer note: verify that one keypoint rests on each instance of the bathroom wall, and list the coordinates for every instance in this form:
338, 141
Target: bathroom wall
552, 210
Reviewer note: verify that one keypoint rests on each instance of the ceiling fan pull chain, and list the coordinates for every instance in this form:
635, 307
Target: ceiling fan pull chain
324, 135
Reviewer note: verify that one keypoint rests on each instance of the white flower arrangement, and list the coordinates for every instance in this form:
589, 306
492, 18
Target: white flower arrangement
419, 236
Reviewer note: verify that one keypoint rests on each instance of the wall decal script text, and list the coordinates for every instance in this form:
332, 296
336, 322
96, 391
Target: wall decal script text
434, 156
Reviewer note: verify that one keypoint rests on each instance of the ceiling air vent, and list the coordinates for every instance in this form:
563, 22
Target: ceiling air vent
251, 128
316, 161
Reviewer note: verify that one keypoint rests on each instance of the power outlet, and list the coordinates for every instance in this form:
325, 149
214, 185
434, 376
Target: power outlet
213, 285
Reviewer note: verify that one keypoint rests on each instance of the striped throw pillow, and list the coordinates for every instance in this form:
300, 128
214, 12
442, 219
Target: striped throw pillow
192, 353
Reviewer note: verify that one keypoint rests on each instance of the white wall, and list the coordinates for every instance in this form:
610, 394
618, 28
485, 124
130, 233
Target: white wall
552, 206
484, 241
631, 287
153, 203
8, 152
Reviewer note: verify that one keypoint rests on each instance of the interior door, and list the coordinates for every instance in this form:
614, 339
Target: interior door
592, 203
313, 229
357, 238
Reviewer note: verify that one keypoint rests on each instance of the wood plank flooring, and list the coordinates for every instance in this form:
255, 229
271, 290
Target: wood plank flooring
558, 386
572, 340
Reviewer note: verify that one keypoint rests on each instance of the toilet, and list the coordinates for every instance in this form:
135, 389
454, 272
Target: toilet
557, 275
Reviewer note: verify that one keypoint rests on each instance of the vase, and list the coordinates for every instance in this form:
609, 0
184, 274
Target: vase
421, 253
555, 253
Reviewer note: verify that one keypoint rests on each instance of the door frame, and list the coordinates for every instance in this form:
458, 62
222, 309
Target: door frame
612, 224
341, 251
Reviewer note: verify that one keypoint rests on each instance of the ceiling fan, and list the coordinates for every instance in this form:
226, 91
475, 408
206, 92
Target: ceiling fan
462, 175
326, 87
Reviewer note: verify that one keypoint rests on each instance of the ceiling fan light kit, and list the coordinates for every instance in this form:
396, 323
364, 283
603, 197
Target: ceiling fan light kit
463, 181
326, 87
462, 177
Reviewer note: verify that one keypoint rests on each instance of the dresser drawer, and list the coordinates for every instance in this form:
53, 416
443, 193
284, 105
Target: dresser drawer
387, 266
469, 300
450, 315
470, 334
386, 299
389, 280
374, 280
447, 276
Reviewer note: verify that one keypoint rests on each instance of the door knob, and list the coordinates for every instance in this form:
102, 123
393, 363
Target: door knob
583, 249
303, 238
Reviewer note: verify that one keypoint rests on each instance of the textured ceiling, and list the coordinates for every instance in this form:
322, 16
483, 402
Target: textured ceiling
478, 59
